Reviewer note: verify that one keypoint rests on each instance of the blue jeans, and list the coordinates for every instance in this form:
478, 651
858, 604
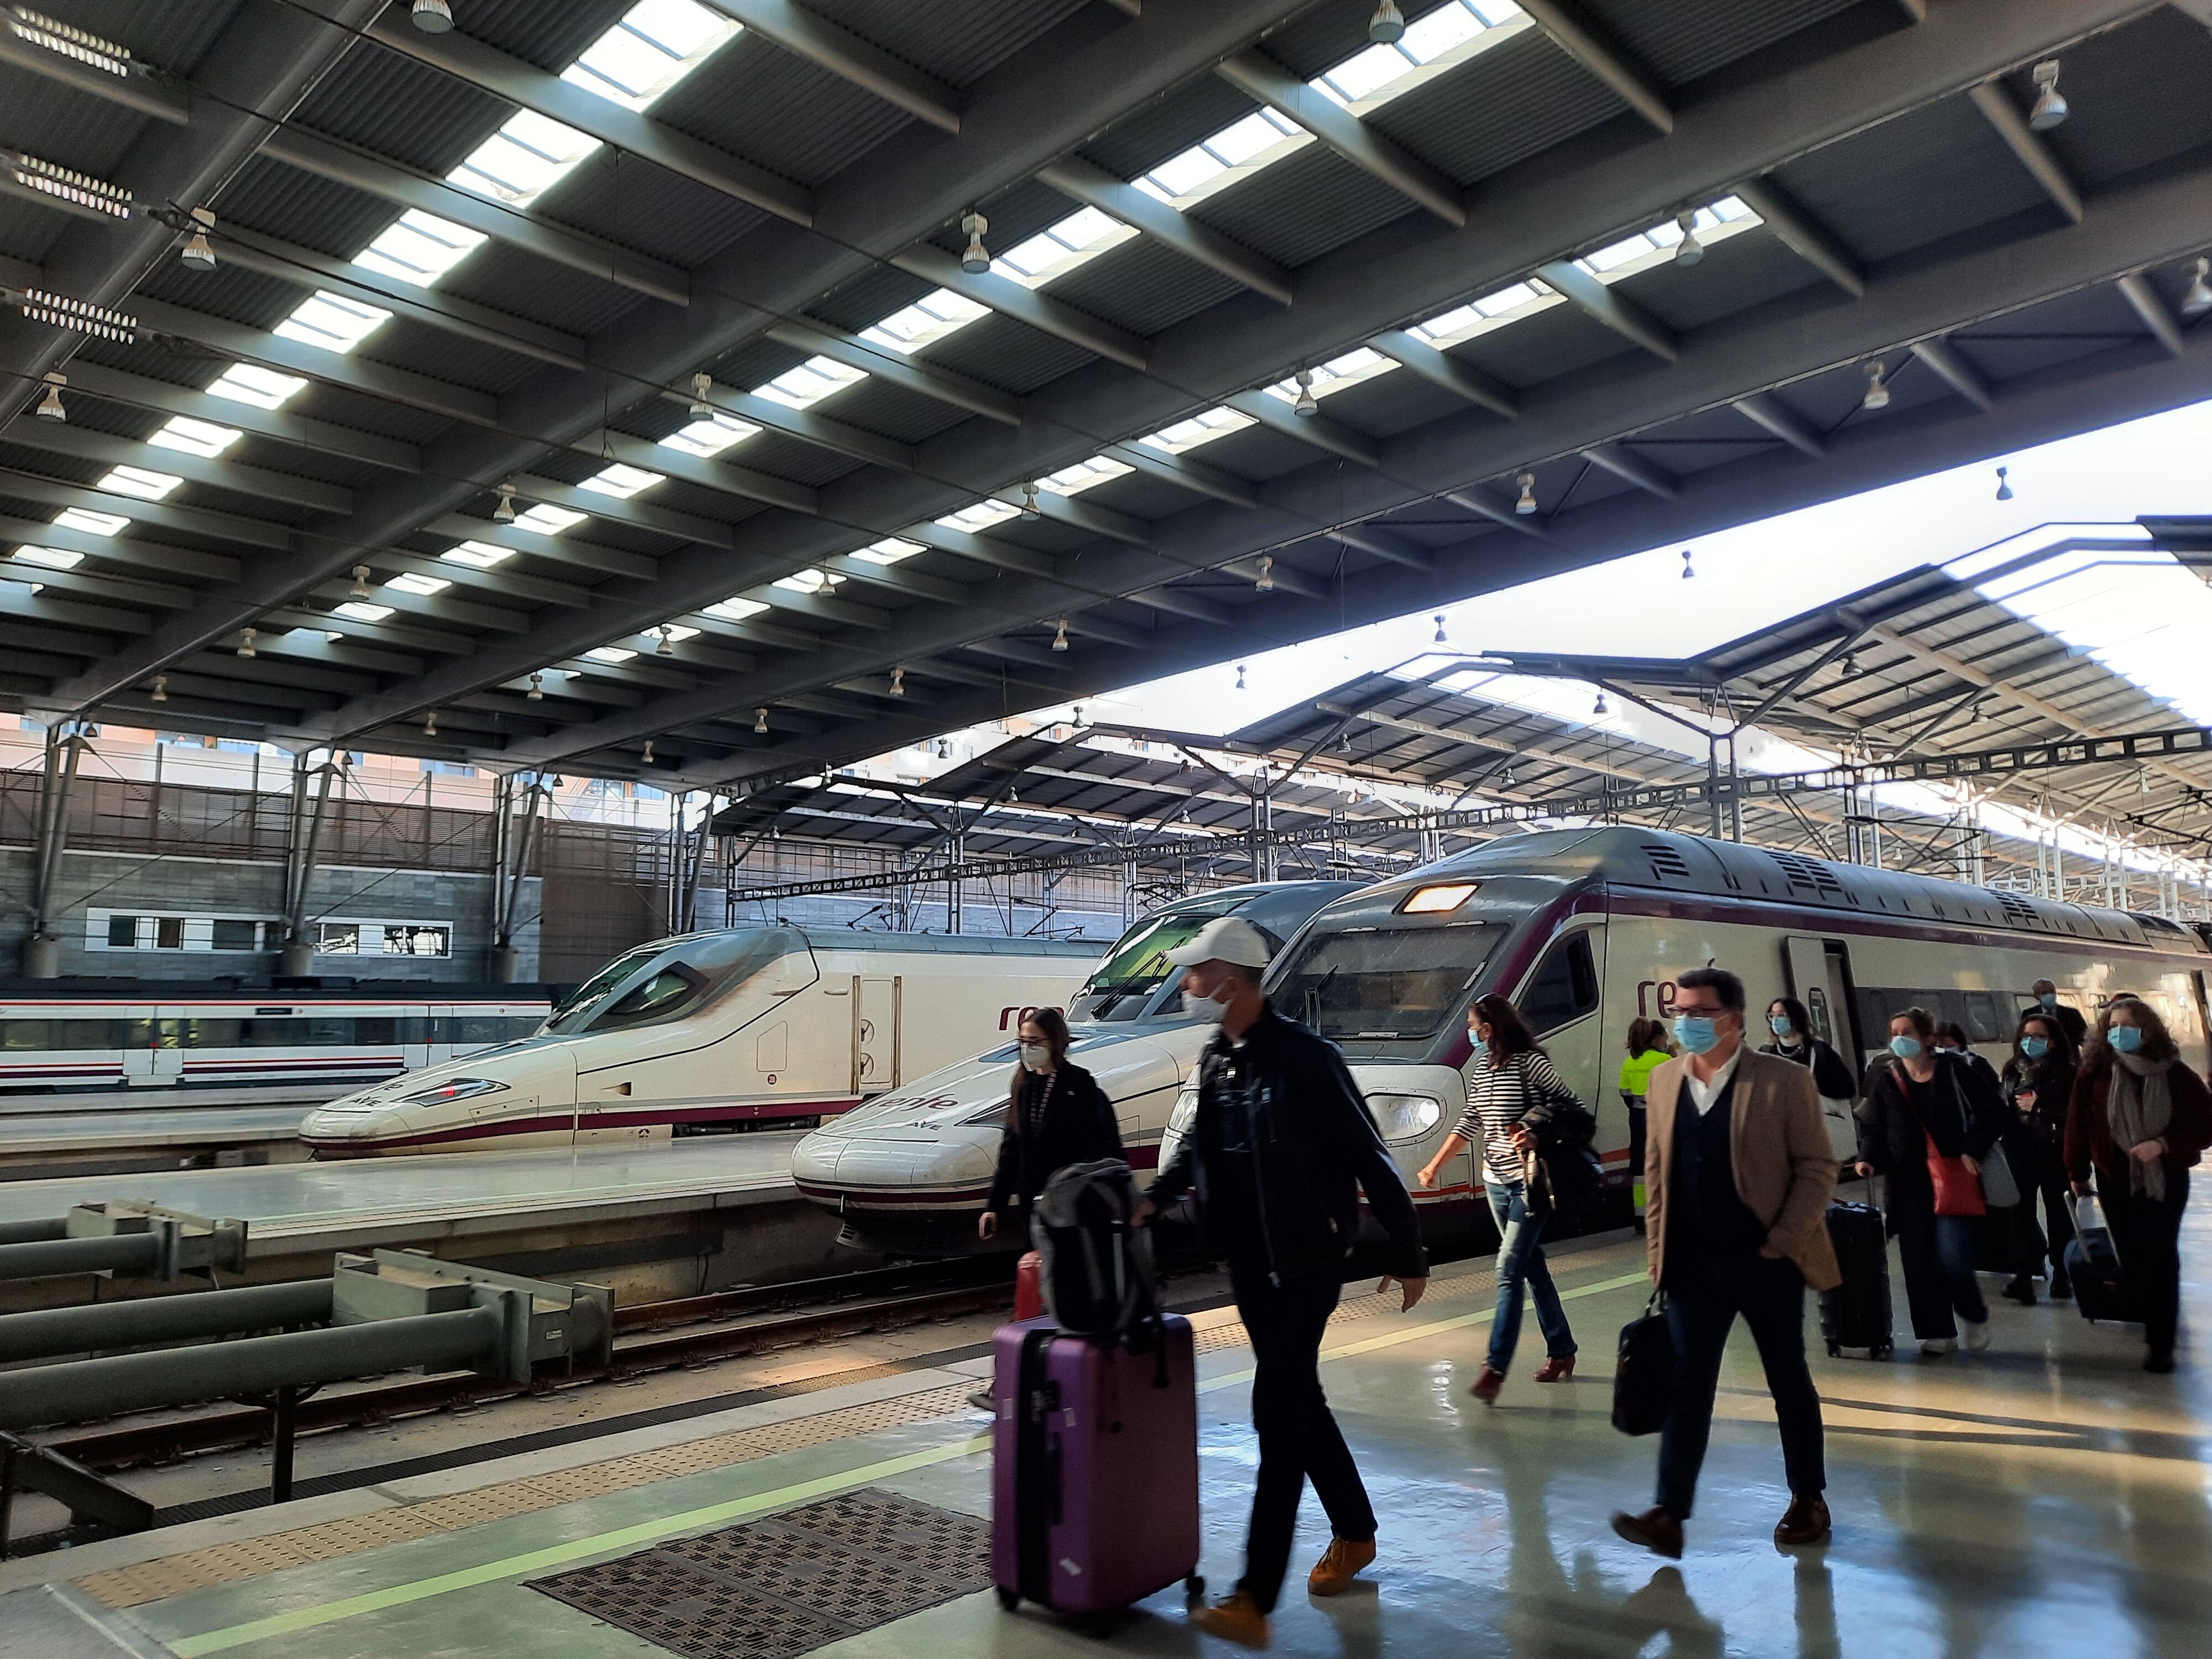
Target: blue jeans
1521, 1261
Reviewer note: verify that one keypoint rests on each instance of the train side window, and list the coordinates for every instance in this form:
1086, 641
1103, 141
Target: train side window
232, 935
1565, 988
169, 933
1984, 1022
380, 1031
18, 1035
123, 932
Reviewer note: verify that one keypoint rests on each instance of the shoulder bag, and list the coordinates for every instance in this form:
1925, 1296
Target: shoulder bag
1643, 1373
1958, 1191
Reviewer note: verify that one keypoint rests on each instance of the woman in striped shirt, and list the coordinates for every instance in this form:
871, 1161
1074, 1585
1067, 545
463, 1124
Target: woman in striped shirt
1513, 1092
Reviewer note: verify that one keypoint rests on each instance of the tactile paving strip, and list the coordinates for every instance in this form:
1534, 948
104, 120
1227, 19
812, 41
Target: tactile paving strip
784, 1586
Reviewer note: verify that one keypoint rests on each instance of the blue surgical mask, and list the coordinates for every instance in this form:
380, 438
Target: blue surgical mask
1480, 1047
2125, 1039
1696, 1033
1905, 1048
1778, 1024
2035, 1047
2049, 1000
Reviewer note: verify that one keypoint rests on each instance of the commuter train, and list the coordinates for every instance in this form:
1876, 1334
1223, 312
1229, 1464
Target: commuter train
716, 1030
910, 1169
62, 1037
1585, 929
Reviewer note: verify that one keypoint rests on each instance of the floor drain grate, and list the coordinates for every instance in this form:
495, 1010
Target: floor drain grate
789, 1584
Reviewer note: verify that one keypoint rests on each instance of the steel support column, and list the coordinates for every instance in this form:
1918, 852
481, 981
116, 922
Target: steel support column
297, 956
42, 947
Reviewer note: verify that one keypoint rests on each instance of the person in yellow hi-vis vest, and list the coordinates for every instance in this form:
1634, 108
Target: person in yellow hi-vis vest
1647, 1047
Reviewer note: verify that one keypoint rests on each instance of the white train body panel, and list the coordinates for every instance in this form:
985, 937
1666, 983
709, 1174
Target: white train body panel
714, 1031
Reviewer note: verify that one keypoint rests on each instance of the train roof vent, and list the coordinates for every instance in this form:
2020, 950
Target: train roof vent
2019, 912
1809, 876
1667, 863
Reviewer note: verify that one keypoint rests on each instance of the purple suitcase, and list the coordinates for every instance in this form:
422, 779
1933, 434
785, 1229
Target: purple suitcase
1094, 1468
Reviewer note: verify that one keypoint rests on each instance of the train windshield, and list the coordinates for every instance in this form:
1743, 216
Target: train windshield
1120, 988
669, 978
1383, 983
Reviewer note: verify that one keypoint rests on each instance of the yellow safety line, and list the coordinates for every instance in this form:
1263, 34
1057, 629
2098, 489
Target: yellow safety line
645, 1532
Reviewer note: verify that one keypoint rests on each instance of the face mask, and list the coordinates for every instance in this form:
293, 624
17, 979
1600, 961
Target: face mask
2125, 1039
1037, 1055
2035, 1047
1205, 1008
1778, 1024
1696, 1033
1480, 1046
1905, 1048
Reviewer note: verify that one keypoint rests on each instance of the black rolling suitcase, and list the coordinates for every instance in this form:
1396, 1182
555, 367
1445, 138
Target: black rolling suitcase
2100, 1288
1855, 1316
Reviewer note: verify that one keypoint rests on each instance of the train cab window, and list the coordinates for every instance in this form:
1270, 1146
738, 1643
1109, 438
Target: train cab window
123, 932
1122, 986
1565, 988
169, 933
232, 935
1383, 984
668, 989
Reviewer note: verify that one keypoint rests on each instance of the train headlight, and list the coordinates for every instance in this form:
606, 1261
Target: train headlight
1402, 1117
459, 1088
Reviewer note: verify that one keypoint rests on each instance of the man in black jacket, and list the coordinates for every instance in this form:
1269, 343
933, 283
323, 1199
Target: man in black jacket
1278, 1154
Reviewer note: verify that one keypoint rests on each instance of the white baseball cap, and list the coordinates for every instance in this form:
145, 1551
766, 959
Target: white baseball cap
1225, 938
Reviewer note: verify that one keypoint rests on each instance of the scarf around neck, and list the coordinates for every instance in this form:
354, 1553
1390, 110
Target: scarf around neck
2138, 1107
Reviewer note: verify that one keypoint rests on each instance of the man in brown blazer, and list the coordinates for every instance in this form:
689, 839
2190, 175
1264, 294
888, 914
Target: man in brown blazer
1737, 1175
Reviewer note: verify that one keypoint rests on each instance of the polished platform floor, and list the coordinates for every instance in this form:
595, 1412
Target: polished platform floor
2047, 1497
278, 1198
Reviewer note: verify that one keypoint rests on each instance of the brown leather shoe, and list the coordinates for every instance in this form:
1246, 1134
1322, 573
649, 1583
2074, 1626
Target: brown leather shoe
1805, 1522
1235, 1618
1558, 1369
1656, 1529
1340, 1563
1486, 1385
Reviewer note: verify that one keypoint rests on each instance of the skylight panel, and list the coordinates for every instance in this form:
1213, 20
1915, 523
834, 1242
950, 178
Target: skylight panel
610, 653
1361, 77
249, 383
408, 582
656, 43
980, 516
736, 608
810, 382
477, 556
1083, 475
709, 437
890, 550
622, 482
1239, 144
362, 611
1479, 316
1337, 372
419, 247
675, 633
925, 322
809, 581
1364, 72
523, 159
1427, 38
202, 438
138, 481
1715, 223
547, 519
92, 523
332, 322
1059, 248
1202, 428
54, 558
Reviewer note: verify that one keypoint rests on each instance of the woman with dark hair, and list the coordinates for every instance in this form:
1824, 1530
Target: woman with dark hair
1056, 1115
1529, 1124
1648, 1049
1951, 1038
1792, 1027
2038, 1085
1929, 1122
2139, 1117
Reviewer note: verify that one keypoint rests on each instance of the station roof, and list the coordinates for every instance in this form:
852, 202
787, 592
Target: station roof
460, 276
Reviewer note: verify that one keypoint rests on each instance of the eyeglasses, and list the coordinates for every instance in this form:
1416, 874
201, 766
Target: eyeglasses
1700, 1010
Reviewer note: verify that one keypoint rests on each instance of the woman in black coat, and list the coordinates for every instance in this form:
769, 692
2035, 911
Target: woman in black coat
1792, 1026
1925, 1097
2037, 1082
1056, 1115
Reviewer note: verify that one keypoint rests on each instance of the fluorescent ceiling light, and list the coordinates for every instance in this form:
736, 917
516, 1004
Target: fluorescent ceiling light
332, 322
408, 581
710, 437
138, 481
523, 159
362, 611
202, 438
1202, 428
479, 555
736, 608
249, 383
925, 322
1074, 480
890, 550
610, 653
656, 43
54, 558
622, 482
547, 519
419, 247
810, 383
980, 516
92, 523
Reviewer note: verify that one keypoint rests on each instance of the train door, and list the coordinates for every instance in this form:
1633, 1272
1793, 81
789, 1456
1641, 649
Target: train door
172, 1031
1820, 978
1560, 1003
875, 1034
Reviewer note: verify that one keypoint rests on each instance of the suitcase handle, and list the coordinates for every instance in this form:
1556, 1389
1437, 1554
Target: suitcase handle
1052, 1478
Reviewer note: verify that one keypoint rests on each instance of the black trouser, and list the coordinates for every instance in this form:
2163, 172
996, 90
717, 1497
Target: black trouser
1636, 1157
1937, 1252
2038, 1174
2147, 1233
1298, 1438
1704, 1296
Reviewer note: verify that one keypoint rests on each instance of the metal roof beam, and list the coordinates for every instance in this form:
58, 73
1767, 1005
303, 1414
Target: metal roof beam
198, 521
1024, 305
1962, 376
709, 473
1616, 311
1803, 234
1765, 409
1260, 76
2026, 145
1083, 181
2134, 287
1634, 468
1193, 475
1391, 550
122, 549
1478, 501
58, 438
846, 55
1319, 430
635, 510
805, 425
914, 374
302, 432
1440, 368
1583, 40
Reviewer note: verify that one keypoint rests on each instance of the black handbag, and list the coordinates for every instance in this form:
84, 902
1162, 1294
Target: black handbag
1644, 1375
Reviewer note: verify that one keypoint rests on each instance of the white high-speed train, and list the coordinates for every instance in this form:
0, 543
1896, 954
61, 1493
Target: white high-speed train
716, 1030
910, 1171
1585, 929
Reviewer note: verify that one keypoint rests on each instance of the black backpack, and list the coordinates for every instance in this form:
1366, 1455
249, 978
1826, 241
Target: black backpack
1094, 1264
